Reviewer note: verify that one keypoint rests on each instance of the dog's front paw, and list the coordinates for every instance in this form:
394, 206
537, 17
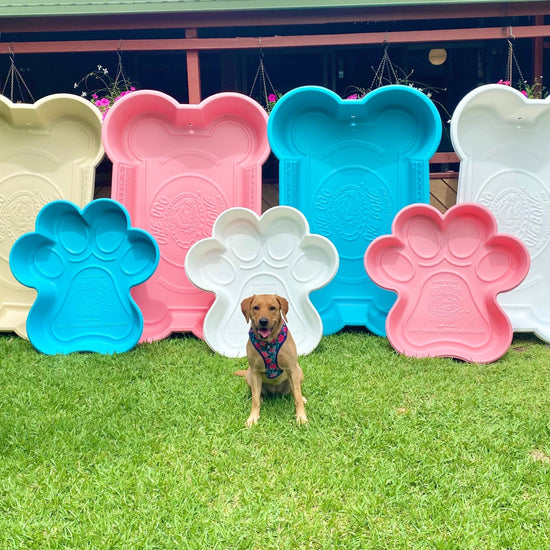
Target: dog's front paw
301, 419
252, 420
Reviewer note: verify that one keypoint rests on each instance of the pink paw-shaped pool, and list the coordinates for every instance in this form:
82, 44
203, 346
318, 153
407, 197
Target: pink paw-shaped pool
447, 271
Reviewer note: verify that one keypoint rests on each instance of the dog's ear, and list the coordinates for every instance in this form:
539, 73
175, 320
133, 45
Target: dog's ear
245, 307
283, 304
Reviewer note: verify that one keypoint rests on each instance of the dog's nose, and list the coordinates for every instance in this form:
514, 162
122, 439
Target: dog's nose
263, 321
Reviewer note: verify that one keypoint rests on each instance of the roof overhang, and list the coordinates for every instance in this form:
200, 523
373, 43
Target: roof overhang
44, 8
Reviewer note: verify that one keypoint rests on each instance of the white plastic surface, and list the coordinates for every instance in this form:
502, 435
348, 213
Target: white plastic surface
502, 140
274, 254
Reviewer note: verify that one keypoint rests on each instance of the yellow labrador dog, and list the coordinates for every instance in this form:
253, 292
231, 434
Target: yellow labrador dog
272, 359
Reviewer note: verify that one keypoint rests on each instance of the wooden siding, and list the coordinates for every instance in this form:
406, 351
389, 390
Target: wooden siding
443, 192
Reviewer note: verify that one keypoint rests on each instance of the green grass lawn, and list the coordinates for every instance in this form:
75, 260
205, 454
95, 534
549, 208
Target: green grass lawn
148, 449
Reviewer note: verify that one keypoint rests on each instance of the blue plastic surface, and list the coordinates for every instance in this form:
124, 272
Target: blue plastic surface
350, 166
82, 264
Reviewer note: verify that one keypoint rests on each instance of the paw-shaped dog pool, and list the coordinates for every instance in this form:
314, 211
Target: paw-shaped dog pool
246, 255
447, 271
82, 264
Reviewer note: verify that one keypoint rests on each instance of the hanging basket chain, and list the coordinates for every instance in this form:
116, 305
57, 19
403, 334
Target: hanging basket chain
120, 72
511, 63
265, 77
385, 66
266, 86
15, 78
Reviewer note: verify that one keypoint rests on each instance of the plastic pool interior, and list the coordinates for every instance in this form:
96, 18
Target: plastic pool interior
501, 139
49, 152
176, 168
82, 264
350, 166
447, 271
271, 254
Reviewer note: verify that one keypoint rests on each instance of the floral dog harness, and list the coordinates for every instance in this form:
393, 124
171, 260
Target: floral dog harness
270, 350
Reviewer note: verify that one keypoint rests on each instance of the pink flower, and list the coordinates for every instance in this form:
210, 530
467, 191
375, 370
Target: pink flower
353, 96
524, 93
272, 98
504, 82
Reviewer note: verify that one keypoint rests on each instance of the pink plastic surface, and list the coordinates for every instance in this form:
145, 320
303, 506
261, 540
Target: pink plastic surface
447, 271
176, 168
49, 151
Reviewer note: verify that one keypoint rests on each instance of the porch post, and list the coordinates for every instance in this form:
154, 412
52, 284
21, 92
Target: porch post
538, 51
193, 70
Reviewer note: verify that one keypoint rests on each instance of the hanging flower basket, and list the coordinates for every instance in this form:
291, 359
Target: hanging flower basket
388, 73
102, 89
17, 85
268, 94
532, 91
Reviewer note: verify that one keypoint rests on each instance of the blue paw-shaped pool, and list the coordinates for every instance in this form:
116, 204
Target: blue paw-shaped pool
83, 264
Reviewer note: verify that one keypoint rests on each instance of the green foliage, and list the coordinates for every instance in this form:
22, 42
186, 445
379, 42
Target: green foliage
102, 89
148, 450
535, 90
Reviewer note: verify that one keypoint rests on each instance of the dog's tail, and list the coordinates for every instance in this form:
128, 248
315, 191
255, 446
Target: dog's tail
240, 373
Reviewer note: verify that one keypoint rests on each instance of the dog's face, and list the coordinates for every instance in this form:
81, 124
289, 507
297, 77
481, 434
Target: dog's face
264, 312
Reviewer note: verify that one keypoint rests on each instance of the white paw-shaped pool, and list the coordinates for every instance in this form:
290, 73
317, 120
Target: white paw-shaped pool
447, 271
82, 264
247, 255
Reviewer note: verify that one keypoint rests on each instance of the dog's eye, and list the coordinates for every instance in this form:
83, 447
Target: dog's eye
272, 308
256, 308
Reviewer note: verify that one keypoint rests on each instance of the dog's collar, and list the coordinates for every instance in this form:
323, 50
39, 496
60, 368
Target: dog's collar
270, 350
